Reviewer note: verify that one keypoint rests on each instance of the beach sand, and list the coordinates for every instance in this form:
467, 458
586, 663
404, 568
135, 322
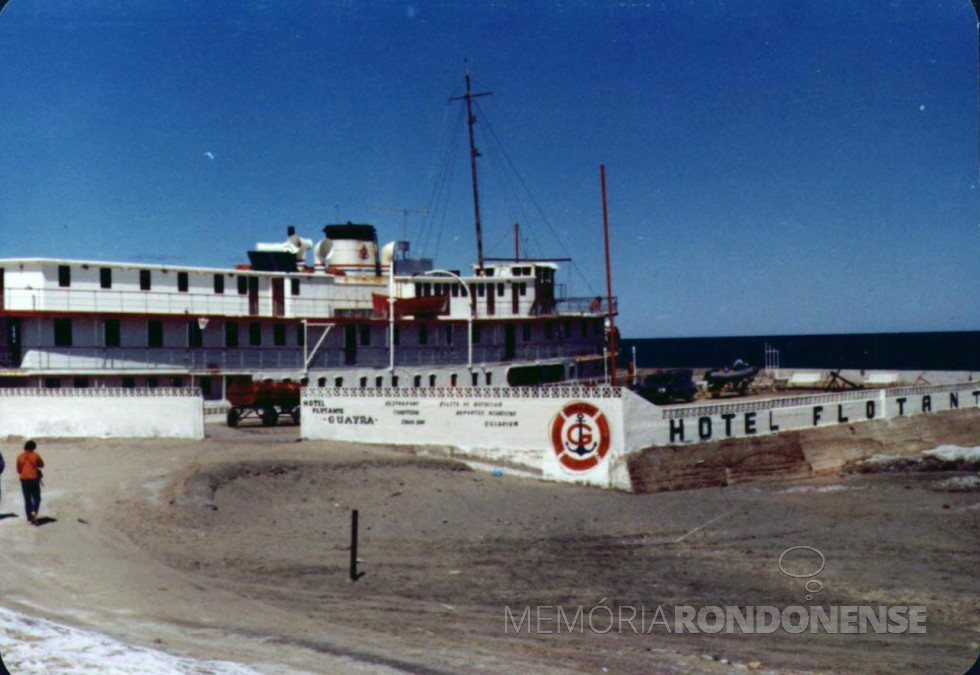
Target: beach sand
237, 549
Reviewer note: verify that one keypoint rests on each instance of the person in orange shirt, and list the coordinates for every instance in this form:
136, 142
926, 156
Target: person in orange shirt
29, 465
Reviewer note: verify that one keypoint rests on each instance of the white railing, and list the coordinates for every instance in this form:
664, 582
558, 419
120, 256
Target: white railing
233, 304
547, 392
85, 359
813, 399
595, 306
171, 302
104, 392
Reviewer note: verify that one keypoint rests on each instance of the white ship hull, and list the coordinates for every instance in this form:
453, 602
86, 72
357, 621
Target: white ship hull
69, 323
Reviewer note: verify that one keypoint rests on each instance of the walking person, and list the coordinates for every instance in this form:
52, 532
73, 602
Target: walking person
29, 465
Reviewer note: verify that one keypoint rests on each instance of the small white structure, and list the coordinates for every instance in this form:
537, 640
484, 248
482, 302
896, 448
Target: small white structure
102, 413
805, 379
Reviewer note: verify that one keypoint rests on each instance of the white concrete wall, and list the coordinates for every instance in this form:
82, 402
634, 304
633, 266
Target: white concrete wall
537, 429
584, 434
869, 378
679, 425
102, 413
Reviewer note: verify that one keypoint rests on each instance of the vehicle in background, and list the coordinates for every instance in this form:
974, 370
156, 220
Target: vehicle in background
736, 378
266, 400
668, 386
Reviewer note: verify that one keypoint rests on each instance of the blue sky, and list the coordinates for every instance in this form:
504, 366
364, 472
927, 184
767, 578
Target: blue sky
773, 167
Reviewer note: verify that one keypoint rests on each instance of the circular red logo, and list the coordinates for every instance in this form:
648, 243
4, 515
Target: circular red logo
363, 252
580, 436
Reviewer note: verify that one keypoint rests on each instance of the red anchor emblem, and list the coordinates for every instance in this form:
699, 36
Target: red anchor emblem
580, 436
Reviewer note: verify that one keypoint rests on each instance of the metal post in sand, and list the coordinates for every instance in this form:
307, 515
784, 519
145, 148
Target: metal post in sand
354, 574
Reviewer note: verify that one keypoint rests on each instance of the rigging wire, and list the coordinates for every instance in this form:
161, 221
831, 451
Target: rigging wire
516, 205
534, 202
436, 169
508, 186
503, 172
499, 243
434, 222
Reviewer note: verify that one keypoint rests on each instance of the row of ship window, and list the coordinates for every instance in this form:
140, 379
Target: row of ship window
425, 289
361, 333
205, 382
395, 381
153, 382
245, 284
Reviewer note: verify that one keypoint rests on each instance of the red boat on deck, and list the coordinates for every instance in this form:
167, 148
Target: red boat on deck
426, 306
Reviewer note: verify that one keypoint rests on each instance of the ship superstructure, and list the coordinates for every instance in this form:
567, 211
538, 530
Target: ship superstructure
360, 315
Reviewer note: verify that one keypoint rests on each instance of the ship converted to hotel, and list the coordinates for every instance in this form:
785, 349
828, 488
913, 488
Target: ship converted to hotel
360, 316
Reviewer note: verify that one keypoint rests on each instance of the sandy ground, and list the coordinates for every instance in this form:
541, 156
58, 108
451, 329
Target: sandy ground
237, 548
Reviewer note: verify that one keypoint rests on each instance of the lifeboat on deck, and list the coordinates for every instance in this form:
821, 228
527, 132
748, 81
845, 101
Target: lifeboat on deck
423, 307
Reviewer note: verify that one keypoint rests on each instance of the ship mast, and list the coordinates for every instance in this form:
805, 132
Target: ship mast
474, 153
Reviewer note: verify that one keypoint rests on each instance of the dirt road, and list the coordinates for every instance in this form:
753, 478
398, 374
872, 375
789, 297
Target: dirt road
237, 548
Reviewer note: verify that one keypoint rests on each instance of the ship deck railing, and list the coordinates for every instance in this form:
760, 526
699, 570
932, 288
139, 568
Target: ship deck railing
148, 359
193, 304
594, 306
235, 305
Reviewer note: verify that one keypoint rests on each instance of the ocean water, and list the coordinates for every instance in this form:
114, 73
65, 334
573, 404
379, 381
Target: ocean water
869, 351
